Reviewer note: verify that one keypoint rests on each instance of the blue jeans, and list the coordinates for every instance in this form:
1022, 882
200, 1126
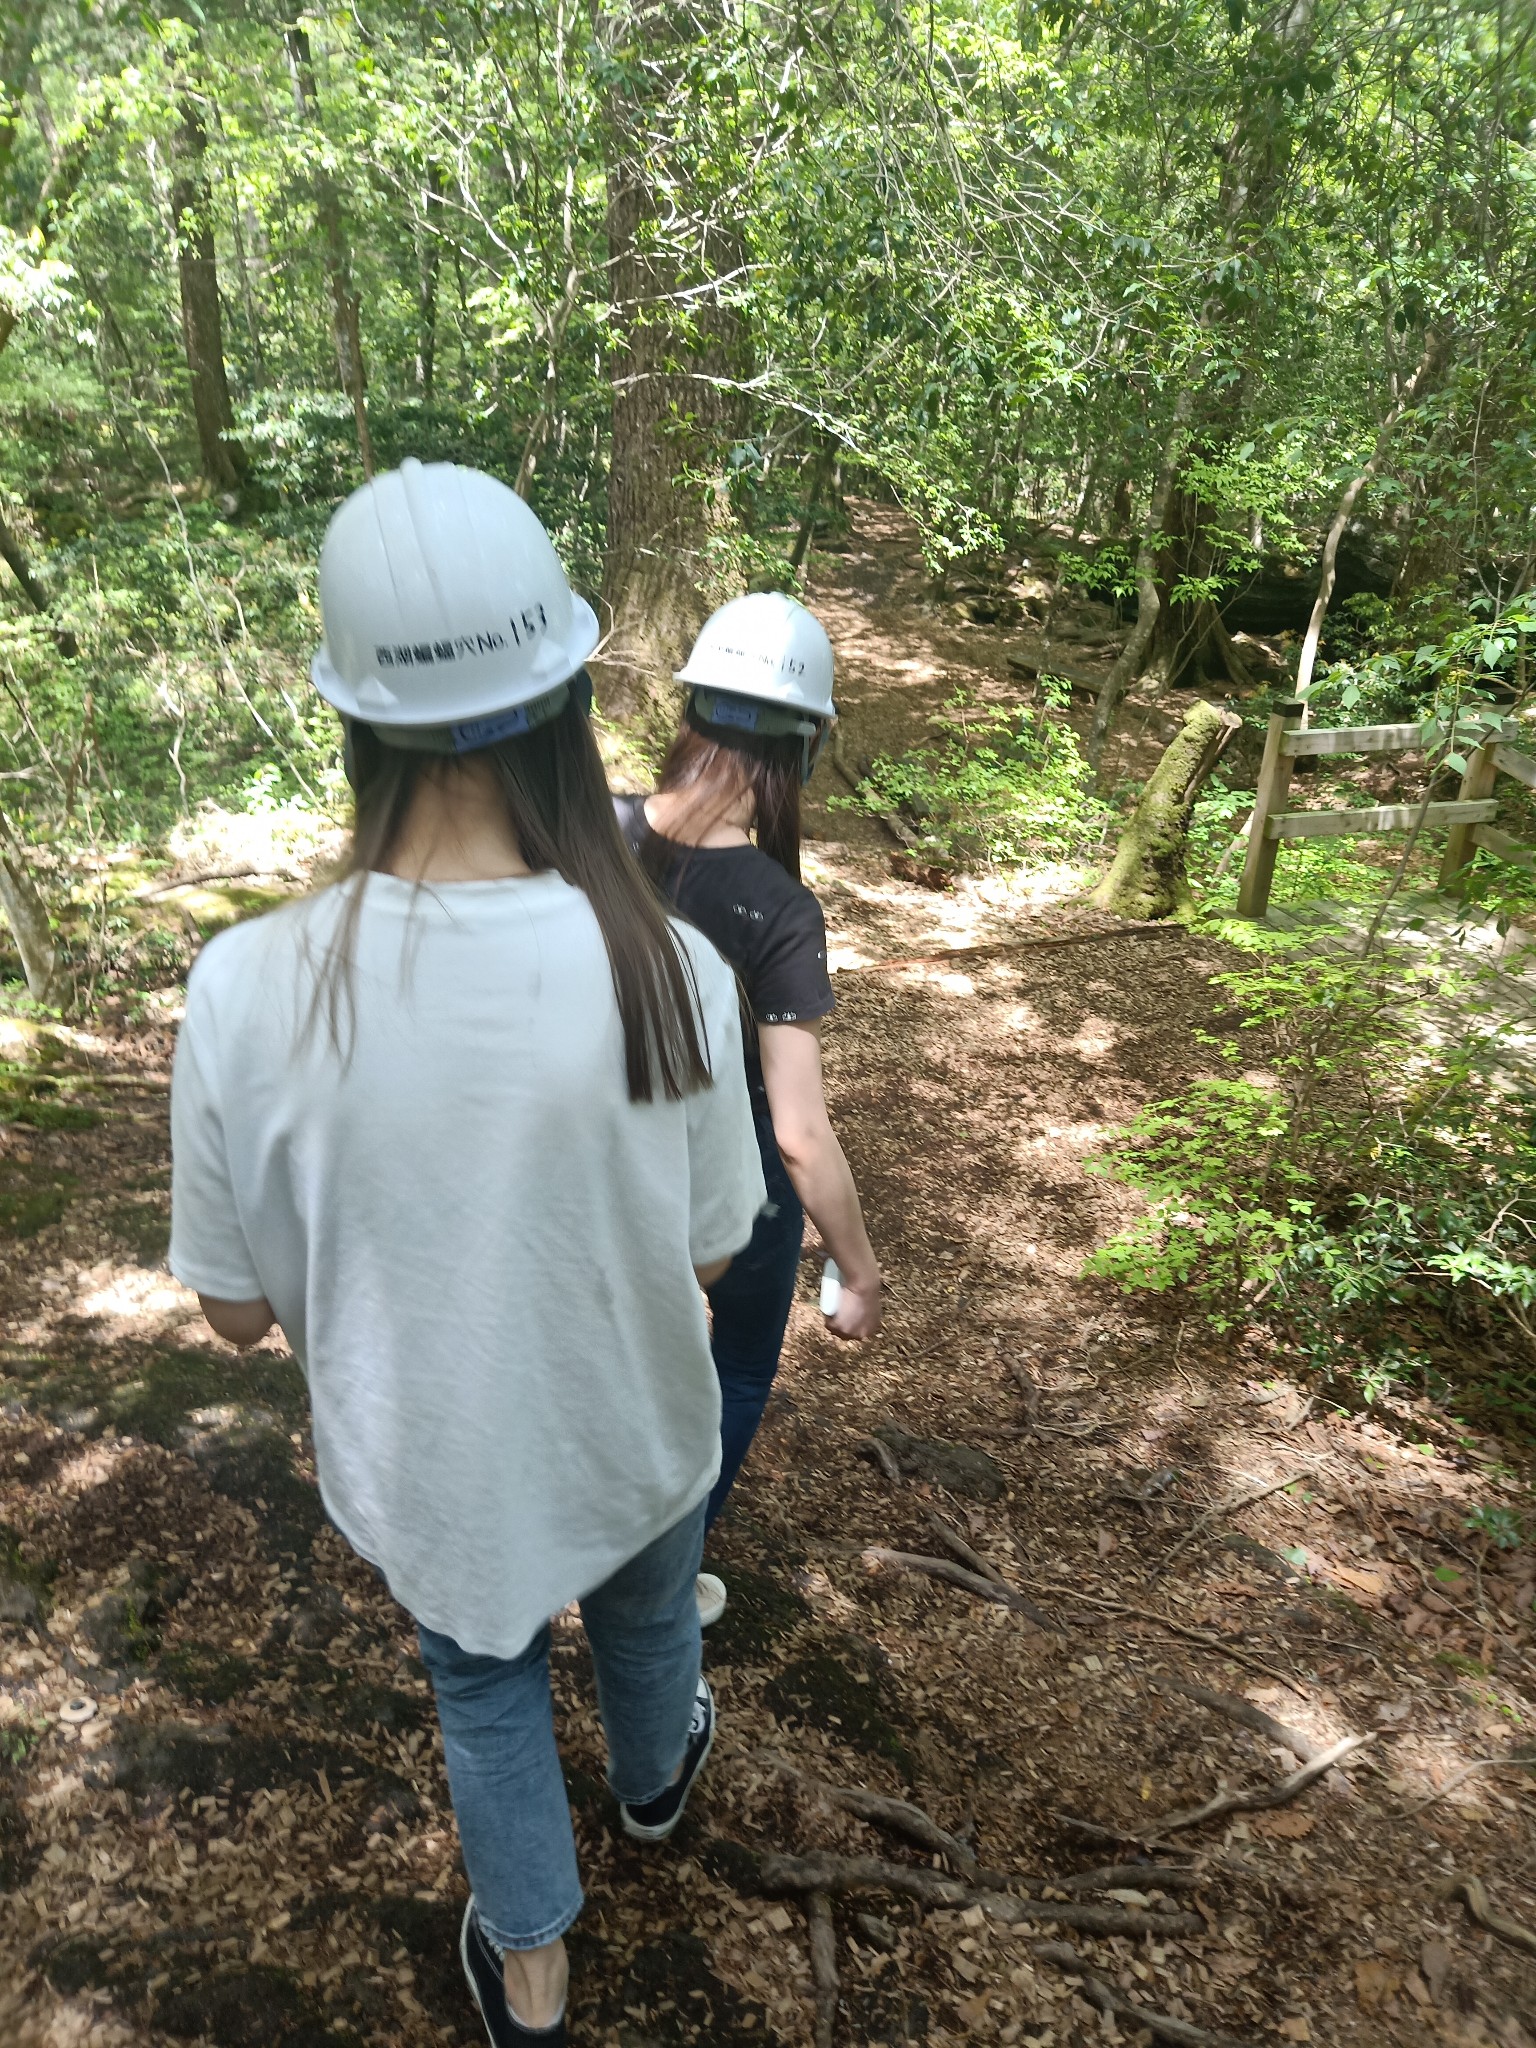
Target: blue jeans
499, 1738
749, 1313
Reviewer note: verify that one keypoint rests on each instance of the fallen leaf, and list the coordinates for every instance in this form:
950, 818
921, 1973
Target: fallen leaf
1283, 1826
1294, 2030
1371, 1584
1435, 1962
963, 1967
1232, 1967
973, 2011
1107, 1540
1416, 1988
1374, 1981
780, 1920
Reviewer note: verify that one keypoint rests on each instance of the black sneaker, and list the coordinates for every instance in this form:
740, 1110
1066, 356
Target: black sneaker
654, 1821
488, 1988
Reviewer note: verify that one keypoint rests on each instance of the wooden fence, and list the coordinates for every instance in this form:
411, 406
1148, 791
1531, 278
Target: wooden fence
1469, 815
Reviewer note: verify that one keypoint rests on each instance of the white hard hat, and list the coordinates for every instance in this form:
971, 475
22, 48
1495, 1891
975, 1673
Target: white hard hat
443, 601
765, 645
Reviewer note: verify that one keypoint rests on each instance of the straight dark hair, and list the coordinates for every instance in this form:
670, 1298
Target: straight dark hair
718, 767
561, 814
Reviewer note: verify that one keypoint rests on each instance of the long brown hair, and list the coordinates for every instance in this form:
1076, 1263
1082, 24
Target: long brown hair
560, 812
717, 767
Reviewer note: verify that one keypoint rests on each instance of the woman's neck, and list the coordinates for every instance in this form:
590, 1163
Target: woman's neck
457, 829
690, 820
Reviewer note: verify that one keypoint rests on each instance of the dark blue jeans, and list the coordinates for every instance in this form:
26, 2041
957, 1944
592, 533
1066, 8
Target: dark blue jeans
749, 1313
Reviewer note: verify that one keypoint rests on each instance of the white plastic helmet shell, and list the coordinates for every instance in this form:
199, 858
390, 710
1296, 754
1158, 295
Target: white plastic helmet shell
765, 645
442, 600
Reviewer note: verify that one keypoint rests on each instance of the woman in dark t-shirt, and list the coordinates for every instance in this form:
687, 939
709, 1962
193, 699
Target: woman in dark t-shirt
759, 707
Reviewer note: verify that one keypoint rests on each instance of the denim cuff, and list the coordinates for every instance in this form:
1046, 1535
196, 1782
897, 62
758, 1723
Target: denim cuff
502, 1942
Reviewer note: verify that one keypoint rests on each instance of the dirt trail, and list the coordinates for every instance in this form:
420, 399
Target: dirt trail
224, 1817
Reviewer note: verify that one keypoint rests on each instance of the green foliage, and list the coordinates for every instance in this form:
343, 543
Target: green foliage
997, 786
1374, 1183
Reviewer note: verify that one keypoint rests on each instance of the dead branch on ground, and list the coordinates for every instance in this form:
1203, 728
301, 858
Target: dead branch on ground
1247, 1714
823, 1942
1141, 1877
849, 1876
1482, 1763
1472, 1890
1001, 1595
899, 1814
1104, 1995
1177, 1628
1231, 1506
1261, 1797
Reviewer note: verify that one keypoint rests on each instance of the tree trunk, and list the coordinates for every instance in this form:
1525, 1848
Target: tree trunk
1146, 878
429, 261
1149, 600
345, 329
202, 316
1407, 397
27, 915
18, 49
671, 407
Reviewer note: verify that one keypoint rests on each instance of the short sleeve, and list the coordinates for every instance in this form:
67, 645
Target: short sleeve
725, 1168
209, 1252
787, 981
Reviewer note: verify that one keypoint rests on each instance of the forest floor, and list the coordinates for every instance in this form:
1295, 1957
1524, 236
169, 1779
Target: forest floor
222, 1809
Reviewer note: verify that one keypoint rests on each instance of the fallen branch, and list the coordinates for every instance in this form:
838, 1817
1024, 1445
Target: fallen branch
882, 1455
1486, 1915
1482, 1763
1264, 1796
954, 1541
1104, 1995
1177, 1628
849, 1876
956, 1575
899, 1814
1231, 1507
239, 874
1248, 1715
823, 1942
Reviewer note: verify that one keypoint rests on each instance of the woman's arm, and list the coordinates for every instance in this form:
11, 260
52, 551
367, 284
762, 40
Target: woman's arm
242, 1323
791, 1056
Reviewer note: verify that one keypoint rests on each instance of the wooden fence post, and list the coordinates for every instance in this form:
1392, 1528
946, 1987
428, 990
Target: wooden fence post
1274, 786
1478, 781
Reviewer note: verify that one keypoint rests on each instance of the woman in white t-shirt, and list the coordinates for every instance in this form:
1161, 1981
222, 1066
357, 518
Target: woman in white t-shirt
471, 1126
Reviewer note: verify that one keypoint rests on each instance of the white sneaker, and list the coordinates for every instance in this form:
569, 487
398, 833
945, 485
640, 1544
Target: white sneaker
710, 1594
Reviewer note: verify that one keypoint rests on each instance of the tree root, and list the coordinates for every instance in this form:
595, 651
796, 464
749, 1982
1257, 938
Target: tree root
999, 1593
823, 1944
1478, 1904
1247, 1715
1102, 1994
1222, 1803
880, 1454
847, 1876
1142, 1877
1177, 1628
899, 1814
954, 1541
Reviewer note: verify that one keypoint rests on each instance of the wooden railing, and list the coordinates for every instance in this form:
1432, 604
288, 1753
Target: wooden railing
1469, 815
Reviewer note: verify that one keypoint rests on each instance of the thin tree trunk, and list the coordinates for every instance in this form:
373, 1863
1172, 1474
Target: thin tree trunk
429, 262
247, 295
1128, 664
202, 315
1147, 877
1408, 397
18, 50
345, 327
27, 915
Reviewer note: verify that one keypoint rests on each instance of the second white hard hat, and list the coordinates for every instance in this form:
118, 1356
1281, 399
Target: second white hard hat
765, 645
443, 601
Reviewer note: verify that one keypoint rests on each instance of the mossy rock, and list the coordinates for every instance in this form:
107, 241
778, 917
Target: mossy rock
959, 1469
214, 907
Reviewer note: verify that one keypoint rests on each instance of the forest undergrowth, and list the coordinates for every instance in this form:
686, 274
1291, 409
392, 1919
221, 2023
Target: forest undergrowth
1020, 1593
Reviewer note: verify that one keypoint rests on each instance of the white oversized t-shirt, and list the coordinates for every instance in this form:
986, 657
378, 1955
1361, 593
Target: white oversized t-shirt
479, 1248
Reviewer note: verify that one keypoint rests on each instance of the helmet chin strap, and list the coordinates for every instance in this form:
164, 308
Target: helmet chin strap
470, 736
